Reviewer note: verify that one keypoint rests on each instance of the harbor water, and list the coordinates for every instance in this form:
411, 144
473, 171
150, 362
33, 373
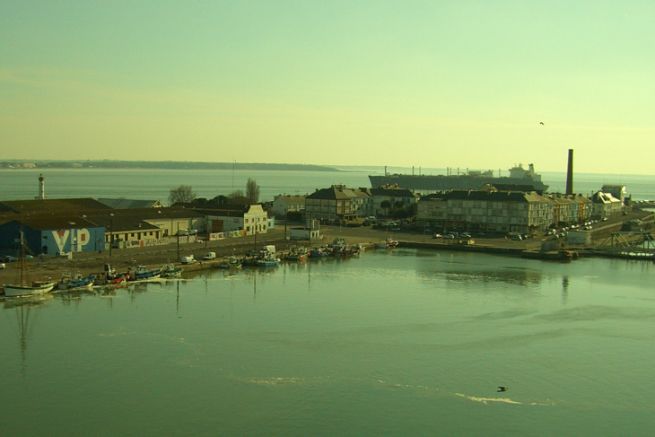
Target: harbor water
129, 183
400, 342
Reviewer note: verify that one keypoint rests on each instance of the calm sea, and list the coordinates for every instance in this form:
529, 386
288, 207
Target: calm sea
399, 343
156, 184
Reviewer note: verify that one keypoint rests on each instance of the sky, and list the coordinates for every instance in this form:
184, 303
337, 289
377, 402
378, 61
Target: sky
399, 83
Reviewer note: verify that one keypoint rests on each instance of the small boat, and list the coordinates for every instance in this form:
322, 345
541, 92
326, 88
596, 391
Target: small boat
389, 243
141, 273
268, 260
297, 254
76, 283
116, 282
22, 288
318, 252
16, 290
169, 271
232, 263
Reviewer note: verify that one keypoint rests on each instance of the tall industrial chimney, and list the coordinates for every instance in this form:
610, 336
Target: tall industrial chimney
569, 174
41, 187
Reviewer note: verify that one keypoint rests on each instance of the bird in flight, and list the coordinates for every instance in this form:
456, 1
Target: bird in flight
542, 123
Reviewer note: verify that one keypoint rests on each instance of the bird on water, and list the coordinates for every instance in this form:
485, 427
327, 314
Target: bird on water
502, 388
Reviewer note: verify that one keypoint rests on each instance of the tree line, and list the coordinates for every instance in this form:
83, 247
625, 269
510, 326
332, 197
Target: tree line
184, 194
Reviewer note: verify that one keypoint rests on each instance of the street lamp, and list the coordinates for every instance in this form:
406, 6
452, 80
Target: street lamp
111, 229
73, 239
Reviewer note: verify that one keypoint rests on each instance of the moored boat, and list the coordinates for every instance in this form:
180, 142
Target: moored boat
141, 273
268, 260
389, 243
297, 254
22, 288
17, 290
76, 283
170, 271
232, 262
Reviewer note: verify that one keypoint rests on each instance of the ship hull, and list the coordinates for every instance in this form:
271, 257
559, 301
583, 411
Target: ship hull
461, 182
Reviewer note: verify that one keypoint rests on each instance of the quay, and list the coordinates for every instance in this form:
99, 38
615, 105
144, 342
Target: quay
156, 256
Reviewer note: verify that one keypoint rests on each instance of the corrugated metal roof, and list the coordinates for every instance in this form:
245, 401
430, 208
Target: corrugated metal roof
130, 203
48, 205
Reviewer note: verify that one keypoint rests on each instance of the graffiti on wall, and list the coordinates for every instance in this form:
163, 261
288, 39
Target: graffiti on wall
71, 240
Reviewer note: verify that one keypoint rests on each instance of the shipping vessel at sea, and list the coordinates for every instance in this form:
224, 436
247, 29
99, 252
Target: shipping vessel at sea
519, 179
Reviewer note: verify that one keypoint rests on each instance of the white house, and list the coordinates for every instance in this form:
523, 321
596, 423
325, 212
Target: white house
253, 220
605, 205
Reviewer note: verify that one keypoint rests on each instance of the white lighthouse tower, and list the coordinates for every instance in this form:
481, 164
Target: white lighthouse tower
41, 195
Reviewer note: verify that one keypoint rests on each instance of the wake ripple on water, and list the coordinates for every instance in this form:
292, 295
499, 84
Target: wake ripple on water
480, 399
509, 401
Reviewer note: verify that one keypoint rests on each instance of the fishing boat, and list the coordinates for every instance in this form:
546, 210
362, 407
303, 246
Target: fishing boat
232, 263
297, 254
169, 271
389, 243
268, 259
143, 274
22, 287
318, 252
76, 283
17, 290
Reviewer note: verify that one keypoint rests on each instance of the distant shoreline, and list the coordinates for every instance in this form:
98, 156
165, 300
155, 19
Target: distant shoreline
164, 165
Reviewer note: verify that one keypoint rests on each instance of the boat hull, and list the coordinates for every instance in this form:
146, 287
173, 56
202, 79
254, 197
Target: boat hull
27, 290
454, 182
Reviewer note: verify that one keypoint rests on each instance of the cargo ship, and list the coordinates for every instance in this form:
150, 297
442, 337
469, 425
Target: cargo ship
519, 179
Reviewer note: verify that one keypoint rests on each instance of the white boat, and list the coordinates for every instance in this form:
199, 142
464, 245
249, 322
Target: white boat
22, 288
14, 290
389, 243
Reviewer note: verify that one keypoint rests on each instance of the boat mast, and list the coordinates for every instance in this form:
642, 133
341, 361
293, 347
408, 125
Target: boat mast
21, 257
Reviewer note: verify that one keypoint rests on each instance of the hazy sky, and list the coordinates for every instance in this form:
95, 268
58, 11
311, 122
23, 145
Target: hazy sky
425, 83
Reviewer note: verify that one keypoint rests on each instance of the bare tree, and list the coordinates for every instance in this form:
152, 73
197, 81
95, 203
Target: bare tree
237, 199
252, 191
181, 194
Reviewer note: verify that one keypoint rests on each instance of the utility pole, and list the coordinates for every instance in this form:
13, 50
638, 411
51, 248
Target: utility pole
111, 231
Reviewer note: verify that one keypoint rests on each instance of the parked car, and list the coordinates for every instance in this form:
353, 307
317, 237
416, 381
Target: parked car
437, 236
9, 259
465, 235
3, 266
449, 236
187, 259
209, 255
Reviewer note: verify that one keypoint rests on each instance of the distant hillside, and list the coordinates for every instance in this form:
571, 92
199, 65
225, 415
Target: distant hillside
164, 165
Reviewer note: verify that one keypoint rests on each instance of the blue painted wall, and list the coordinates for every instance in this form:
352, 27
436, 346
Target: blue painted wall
55, 241
51, 242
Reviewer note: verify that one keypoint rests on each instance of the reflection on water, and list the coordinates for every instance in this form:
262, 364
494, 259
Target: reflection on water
565, 289
26, 313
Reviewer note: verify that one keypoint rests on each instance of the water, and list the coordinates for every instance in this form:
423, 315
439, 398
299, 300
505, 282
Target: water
156, 184
401, 343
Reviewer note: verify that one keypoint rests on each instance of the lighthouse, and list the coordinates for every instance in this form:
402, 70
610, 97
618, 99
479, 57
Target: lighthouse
41, 195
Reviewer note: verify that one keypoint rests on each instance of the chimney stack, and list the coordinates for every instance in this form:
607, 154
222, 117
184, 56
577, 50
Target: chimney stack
569, 174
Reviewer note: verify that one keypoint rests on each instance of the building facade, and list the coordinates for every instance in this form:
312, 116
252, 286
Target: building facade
486, 211
337, 203
283, 204
251, 221
384, 200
